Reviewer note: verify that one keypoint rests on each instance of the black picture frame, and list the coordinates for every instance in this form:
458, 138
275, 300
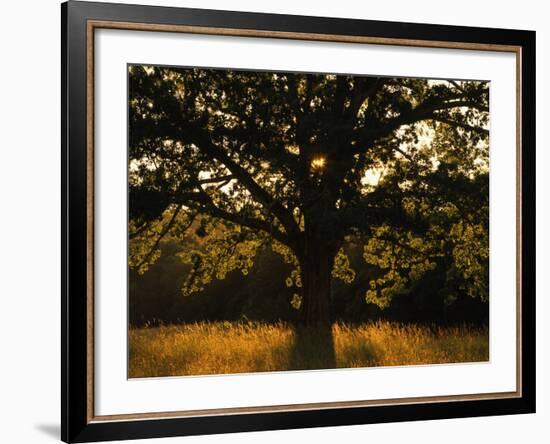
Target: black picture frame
76, 423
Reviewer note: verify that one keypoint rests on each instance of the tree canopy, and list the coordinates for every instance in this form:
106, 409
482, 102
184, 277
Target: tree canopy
305, 164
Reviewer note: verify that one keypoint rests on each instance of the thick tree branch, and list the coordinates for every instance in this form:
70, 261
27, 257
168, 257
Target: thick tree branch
240, 219
284, 216
216, 179
426, 111
466, 126
255, 224
365, 89
457, 86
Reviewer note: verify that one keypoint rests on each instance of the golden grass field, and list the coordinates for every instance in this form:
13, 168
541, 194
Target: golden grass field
223, 347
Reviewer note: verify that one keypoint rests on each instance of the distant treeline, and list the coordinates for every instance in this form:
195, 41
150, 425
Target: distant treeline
156, 297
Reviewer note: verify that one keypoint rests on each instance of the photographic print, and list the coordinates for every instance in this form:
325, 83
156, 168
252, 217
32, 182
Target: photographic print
283, 221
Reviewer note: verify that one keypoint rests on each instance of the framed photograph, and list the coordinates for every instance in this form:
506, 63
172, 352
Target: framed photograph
276, 221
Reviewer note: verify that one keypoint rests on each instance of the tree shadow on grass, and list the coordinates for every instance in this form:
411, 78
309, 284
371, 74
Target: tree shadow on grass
313, 348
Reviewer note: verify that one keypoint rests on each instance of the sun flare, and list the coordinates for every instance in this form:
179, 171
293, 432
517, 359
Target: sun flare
318, 163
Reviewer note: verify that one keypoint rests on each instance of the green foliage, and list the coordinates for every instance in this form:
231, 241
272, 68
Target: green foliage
456, 241
296, 301
470, 259
221, 251
144, 245
342, 268
294, 279
402, 258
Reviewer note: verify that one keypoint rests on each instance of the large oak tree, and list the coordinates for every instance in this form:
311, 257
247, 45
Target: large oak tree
305, 163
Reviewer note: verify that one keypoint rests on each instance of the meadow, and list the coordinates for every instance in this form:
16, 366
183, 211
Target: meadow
229, 347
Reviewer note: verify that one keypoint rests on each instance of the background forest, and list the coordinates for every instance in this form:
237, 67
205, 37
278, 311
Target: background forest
262, 295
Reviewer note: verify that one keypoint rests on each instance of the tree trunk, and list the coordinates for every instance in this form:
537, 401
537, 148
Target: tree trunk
316, 272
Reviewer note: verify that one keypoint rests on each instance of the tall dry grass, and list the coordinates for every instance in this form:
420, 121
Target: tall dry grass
223, 347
